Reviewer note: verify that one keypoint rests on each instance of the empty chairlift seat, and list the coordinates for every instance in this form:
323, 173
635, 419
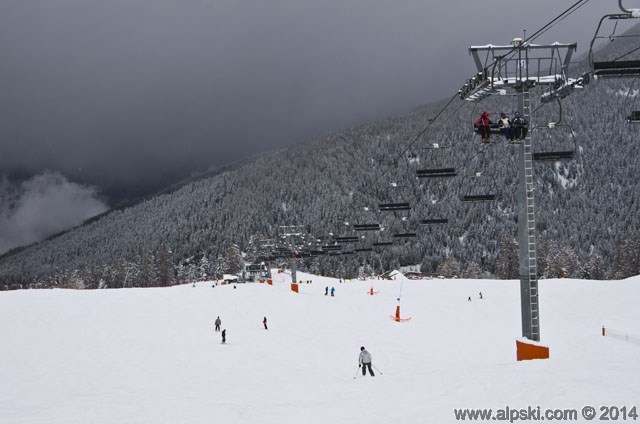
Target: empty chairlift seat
436, 173
617, 69
394, 206
633, 118
367, 227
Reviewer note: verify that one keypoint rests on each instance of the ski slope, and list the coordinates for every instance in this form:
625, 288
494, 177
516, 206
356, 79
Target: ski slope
152, 356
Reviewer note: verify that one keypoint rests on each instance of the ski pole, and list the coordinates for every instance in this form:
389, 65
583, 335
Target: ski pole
376, 369
357, 371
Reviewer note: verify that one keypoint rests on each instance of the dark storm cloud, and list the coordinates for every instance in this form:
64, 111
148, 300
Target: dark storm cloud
131, 95
131, 91
44, 205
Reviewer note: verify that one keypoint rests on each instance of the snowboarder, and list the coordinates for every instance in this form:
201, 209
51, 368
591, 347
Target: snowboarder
224, 336
333, 290
217, 323
481, 295
469, 299
326, 290
264, 321
364, 361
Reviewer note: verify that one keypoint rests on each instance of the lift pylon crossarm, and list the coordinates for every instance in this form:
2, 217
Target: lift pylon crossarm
504, 67
436, 173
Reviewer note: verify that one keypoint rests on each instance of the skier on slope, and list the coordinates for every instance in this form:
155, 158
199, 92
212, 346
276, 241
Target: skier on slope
217, 322
264, 321
326, 290
333, 290
224, 335
364, 361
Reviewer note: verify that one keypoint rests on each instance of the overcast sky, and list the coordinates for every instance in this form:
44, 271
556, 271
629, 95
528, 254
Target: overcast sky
131, 95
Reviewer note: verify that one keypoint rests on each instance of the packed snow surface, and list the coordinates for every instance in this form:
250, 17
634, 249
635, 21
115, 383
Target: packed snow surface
152, 356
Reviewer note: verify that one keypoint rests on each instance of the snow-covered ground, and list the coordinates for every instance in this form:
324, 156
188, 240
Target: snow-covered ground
152, 356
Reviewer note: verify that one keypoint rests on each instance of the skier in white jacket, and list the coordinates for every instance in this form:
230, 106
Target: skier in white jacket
365, 361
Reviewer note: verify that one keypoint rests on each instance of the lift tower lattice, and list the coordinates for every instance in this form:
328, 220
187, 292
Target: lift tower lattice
519, 68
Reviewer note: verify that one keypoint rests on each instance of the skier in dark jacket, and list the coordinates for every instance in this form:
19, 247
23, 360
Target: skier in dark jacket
333, 290
364, 361
217, 323
520, 126
326, 290
264, 321
224, 335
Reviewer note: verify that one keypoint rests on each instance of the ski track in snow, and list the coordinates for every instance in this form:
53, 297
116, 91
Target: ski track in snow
152, 356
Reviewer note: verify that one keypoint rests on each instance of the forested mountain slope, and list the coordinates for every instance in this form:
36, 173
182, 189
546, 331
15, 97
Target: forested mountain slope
587, 209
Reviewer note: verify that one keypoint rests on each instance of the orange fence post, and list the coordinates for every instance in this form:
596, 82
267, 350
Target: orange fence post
398, 313
270, 282
294, 287
603, 331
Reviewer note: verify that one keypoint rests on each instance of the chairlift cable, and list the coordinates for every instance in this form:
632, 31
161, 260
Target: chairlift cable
577, 5
550, 24
532, 37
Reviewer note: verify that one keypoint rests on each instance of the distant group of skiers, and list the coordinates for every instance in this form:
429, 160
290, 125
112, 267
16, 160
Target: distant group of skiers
326, 291
479, 296
364, 359
218, 323
515, 128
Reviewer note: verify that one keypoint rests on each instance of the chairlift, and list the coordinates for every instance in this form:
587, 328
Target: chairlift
404, 235
436, 173
633, 118
367, 227
348, 239
494, 128
478, 187
615, 68
382, 243
394, 205
555, 141
332, 247
363, 249
441, 163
